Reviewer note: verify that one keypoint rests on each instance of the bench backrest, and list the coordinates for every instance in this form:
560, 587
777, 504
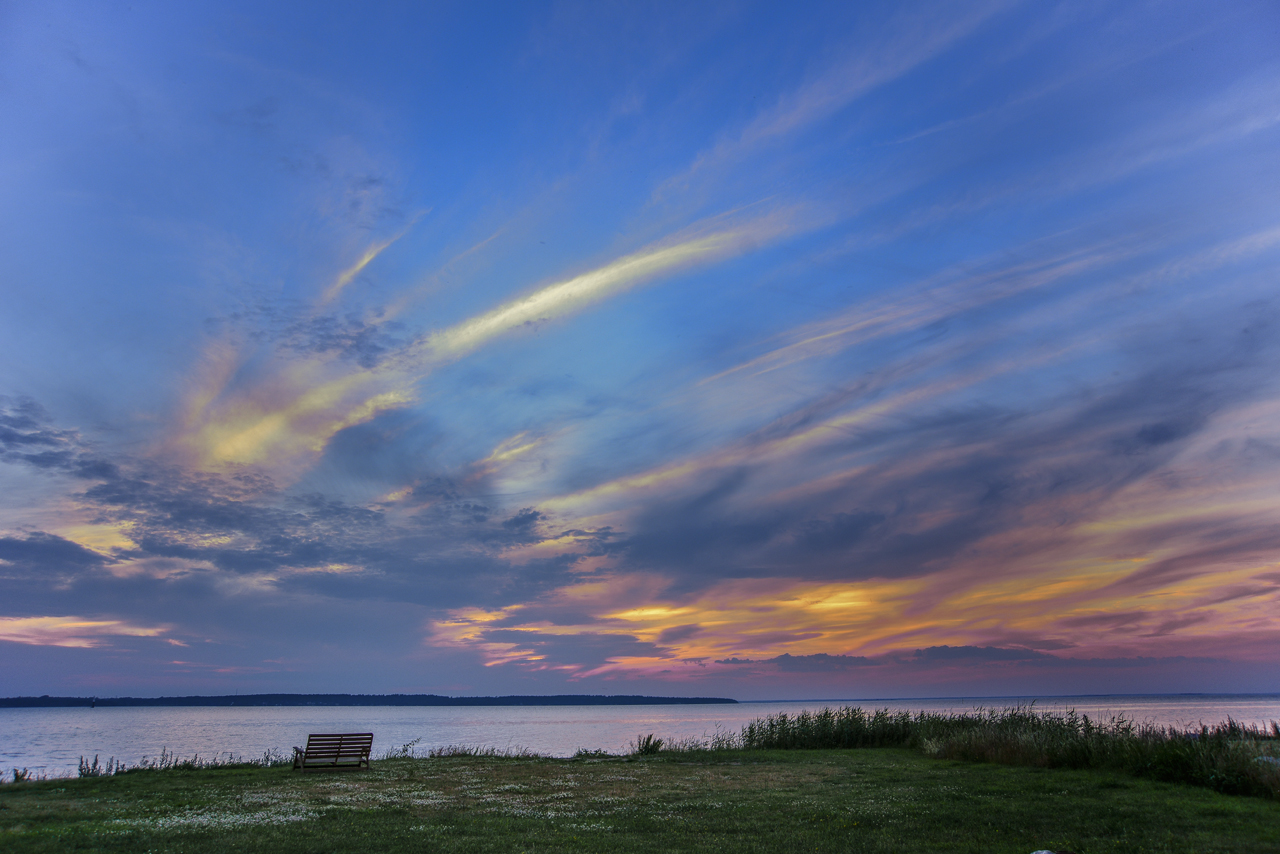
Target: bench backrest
337, 747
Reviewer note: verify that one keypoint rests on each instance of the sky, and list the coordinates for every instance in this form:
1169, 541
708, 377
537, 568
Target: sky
758, 350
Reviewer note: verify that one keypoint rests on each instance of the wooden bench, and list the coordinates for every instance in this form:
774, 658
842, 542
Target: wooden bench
334, 752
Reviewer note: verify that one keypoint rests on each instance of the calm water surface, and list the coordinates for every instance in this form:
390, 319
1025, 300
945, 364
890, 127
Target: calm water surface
51, 741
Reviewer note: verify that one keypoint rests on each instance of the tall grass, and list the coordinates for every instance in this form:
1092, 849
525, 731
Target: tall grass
1228, 757
481, 751
646, 745
404, 751
167, 761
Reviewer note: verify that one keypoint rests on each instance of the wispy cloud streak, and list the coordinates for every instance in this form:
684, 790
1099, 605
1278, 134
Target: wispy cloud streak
909, 40
348, 275
561, 298
299, 407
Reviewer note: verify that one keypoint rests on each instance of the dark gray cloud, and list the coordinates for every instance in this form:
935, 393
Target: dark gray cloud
194, 531
820, 662
699, 534
838, 532
931, 666
42, 574
28, 436
994, 468
47, 551
979, 653
589, 649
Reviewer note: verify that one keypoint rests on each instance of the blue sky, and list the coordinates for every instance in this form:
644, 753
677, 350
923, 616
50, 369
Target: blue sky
767, 351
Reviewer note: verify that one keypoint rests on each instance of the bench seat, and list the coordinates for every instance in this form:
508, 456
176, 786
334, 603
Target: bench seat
345, 751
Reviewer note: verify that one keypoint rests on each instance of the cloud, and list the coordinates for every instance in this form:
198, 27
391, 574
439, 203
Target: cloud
980, 653
366, 258
819, 662
947, 294
355, 339
969, 354
28, 436
41, 551
902, 44
573, 294
958, 525
1076, 279
70, 631
678, 633
586, 651
293, 408
897, 511
198, 543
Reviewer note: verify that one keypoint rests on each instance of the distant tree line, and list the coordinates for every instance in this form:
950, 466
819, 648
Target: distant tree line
46, 701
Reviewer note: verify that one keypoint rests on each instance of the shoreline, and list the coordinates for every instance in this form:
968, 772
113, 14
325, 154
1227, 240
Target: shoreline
48, 702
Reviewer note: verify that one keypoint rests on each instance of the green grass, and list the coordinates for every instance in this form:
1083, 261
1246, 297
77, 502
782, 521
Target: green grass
872, 800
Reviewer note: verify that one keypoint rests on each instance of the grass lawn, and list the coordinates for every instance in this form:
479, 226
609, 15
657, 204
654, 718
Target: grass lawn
736, 801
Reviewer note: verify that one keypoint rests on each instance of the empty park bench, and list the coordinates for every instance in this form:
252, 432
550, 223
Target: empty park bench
334, 752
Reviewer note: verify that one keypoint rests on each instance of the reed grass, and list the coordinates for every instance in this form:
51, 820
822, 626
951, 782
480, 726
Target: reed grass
1228, 757
170, 761
646, 745
451, 751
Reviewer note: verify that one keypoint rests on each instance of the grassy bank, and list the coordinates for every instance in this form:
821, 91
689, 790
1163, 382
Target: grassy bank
1227, 757
873, 800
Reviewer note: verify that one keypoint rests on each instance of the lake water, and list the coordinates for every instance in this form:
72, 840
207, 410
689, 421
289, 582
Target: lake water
51, 741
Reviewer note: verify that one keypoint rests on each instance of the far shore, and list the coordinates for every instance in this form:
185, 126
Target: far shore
48, 702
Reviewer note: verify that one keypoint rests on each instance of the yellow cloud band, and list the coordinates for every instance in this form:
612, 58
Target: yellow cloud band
567, 296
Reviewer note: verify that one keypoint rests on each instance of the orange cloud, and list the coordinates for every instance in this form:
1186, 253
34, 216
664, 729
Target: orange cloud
1070, 599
